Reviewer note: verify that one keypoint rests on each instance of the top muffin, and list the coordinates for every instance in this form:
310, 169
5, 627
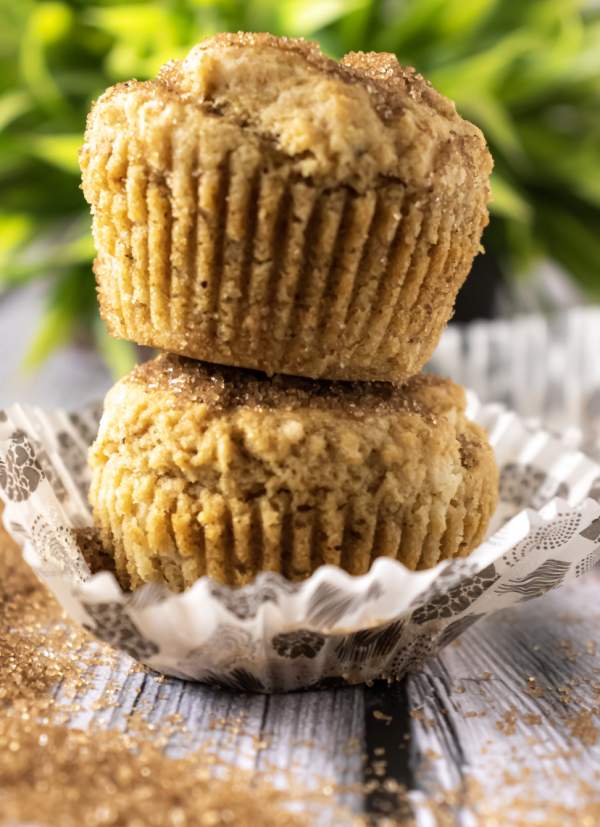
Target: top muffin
261, 205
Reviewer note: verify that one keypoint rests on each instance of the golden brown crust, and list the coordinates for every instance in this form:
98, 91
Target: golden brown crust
355, 122
263, 206
229, 474
352, 121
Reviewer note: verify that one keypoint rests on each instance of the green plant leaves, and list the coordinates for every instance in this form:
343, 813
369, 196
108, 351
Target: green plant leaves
70, 304
495, 120
46, 25
12, 106
145, 36
59, 150
527, 73
120, 356
569, 157
572, 238
305, 17
508, 202
458, 19
60, 246
15, 230
485, 71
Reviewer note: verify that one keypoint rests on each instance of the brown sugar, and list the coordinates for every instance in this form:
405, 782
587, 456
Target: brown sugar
52, 774
55, 775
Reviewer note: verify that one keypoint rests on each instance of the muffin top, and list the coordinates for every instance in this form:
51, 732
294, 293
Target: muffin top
222, 389
350, 122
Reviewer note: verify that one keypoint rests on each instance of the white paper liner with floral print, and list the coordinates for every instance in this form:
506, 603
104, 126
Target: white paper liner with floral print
274, 635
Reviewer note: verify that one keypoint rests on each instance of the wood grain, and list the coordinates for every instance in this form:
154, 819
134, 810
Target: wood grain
470, 736
508, 717
313, 739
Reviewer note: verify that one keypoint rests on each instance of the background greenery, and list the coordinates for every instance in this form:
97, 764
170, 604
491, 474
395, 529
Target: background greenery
527, 72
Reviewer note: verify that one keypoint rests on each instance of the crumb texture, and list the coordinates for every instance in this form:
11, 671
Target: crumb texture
354, 120
261, 205
226, 473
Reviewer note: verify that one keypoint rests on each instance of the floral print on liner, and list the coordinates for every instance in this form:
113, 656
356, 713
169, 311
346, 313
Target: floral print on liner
547, 538
58, 547
548, 576
228, 647
20, 470
299, 644
325, 631
86, 423
240, 680
245, 603
451, 576
329, 604
457, 599
592, 532
412, 655
456, 628
526, 486
588, 563
111, 623
370, 644
76, 461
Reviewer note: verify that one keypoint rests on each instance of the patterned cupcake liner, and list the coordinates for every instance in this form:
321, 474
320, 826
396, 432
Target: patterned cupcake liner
274, 635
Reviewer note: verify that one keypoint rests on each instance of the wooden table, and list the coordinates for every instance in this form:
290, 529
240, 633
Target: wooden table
502, 728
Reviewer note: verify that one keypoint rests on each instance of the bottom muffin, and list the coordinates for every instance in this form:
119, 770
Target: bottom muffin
205, 470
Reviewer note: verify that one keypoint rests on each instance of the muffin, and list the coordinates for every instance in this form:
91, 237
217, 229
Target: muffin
199, 470
263, 206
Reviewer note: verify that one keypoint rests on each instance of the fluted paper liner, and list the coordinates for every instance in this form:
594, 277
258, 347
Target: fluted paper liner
256, 269
274, 635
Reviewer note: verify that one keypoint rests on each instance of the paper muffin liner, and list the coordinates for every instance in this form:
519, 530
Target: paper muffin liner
533, 364
274, 635
234, 259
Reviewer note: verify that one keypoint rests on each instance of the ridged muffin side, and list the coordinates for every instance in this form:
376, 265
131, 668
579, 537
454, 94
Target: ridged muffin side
224, 472
223, 235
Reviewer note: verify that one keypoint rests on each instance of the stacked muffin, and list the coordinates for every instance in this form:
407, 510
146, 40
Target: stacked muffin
304, 226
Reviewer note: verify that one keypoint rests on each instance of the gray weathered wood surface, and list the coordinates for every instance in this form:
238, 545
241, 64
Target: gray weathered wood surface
502, 725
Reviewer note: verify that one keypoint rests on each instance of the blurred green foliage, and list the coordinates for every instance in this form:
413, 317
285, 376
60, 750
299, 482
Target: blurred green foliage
527, 72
